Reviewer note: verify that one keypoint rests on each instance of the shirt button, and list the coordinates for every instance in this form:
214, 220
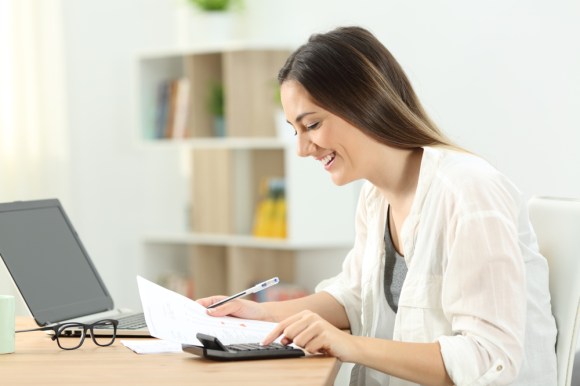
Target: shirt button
499, 368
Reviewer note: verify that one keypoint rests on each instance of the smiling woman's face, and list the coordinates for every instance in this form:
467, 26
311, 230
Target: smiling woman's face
342, 149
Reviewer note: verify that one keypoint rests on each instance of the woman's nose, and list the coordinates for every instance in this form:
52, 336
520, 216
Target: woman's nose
304, 145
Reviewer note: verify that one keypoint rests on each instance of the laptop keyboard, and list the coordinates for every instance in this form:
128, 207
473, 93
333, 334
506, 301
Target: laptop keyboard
132, 322
129, 322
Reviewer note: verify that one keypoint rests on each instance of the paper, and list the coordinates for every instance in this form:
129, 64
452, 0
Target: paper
176, 318
157, 346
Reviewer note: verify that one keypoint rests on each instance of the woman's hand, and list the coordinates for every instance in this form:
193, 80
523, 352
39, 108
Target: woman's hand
311, 332
239, 308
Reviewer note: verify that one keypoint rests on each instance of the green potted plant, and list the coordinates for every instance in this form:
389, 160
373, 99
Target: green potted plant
215, 5
216, 106
216, 21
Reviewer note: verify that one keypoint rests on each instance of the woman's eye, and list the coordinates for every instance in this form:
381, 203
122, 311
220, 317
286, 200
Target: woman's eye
312, 126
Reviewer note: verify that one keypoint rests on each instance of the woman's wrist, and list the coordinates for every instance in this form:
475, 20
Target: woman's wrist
268, 313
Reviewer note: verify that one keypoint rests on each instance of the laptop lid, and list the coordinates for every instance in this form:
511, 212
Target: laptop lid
48, 262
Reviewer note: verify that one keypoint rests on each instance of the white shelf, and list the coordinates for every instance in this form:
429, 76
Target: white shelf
190, 238
222, 143
200, 49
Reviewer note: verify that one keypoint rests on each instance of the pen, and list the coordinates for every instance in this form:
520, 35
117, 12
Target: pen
252, 290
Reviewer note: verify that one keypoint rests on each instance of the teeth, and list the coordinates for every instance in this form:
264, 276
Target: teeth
327, 159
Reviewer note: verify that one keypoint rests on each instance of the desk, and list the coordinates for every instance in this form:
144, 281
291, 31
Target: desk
39, 361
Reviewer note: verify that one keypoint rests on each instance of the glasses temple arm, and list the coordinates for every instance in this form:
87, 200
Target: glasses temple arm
45, 328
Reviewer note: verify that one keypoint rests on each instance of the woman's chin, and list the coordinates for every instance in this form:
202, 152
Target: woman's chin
340, 180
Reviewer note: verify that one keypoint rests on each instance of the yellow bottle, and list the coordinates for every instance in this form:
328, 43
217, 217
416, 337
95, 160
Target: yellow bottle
263, 211
270, 217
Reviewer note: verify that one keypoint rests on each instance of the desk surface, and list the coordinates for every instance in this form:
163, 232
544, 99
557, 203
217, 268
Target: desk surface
39, 361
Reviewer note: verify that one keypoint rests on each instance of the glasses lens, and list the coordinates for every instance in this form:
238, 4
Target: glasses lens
107, 337
70, 336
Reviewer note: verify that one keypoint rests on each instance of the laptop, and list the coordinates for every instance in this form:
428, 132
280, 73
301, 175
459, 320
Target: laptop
53, 271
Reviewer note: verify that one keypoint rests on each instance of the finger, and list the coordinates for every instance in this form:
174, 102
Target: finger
273, 335
308, 323
285, 341
206, 302
228, 308
318, 344
290, 327
303, 332
279, 329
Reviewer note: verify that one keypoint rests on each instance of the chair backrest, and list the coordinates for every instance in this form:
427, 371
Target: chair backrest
557, 225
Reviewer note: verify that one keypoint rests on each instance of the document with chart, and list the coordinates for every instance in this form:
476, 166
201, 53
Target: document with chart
176, 318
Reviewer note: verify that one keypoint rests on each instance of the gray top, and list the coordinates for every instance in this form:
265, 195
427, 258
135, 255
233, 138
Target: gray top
395, 269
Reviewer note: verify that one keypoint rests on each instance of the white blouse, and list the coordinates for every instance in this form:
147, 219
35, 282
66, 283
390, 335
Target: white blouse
476, 281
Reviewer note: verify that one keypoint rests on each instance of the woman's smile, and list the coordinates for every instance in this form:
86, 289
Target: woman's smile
328, 160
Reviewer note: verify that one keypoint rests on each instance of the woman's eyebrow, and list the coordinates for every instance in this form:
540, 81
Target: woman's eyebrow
301, 116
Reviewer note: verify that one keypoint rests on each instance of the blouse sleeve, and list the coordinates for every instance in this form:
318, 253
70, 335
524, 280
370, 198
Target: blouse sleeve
346, 286
484, 288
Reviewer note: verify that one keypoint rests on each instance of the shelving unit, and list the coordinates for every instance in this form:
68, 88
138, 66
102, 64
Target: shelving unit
221, 253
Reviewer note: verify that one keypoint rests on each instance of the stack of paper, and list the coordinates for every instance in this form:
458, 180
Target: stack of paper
176, 318
152, 346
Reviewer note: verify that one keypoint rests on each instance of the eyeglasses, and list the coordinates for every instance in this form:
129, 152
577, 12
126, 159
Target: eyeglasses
70, 336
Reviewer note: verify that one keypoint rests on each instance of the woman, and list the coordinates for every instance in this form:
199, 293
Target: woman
444, 284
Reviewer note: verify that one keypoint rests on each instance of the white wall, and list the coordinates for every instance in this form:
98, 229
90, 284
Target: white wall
119, 188
501, 77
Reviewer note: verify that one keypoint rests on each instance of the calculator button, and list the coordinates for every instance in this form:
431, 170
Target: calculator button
238, 347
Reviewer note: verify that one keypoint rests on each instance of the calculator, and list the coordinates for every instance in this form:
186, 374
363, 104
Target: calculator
214, 349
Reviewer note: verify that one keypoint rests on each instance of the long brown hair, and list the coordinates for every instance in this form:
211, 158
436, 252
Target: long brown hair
350, 73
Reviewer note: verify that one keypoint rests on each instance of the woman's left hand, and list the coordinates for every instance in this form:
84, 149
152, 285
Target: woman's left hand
314, 334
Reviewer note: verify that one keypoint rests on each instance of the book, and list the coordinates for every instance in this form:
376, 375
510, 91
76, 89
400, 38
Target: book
171, 103
172, 111
161, 109
181, 108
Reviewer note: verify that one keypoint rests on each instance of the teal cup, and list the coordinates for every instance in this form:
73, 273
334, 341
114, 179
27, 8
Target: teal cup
7, 315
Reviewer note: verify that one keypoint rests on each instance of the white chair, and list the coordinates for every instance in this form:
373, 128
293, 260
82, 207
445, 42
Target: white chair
557, 225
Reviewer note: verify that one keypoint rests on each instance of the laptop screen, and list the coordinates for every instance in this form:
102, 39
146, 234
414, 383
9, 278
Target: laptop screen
48, 262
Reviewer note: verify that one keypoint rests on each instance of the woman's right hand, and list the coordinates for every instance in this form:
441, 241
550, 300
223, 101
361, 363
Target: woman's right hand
239, 308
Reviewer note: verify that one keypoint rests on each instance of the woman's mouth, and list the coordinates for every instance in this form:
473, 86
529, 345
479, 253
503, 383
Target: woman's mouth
327, 159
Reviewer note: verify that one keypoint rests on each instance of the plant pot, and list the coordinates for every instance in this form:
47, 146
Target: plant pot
214, 27
219, 126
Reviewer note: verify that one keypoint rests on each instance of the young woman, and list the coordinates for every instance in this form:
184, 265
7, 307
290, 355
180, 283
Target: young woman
444, 284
